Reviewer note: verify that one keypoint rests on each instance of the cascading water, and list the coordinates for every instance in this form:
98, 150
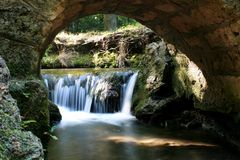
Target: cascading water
83, 135
127, 100
107, 93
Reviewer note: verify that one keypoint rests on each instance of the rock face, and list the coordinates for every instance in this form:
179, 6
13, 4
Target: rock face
95, 42
55, 116
172, 86
169, 85
15, 143
32, 99
115, 49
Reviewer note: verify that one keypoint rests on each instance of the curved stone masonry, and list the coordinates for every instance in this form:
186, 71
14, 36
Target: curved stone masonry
207, 31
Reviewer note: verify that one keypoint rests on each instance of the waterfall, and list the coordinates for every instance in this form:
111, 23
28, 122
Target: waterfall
105, 93
127, 99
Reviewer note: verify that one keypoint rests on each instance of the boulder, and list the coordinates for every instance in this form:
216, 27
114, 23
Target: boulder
15, 143
55, 115
32, 98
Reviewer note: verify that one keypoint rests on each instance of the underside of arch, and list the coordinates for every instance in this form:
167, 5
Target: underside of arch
207, 31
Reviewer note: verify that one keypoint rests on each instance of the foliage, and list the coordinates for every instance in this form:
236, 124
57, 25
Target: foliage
26, 94
125, 21
50, 133
51, 136
51, 61
135, 60
73, 61
88, 23
105, 59
49, 50
100, 59
82, 61
58, 57
96, 23
24, 124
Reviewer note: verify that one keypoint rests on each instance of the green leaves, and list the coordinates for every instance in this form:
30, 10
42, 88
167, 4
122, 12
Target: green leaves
96, 23
53, 137
26, 123
27, 95
105, 60
50, 133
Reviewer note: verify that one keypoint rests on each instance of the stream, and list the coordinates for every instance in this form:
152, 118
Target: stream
89, 135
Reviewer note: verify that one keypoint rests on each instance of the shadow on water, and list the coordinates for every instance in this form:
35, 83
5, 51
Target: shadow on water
119, 136
110, 137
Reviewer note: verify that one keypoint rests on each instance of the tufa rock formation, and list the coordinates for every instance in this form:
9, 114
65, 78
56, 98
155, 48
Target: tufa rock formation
170, 86
15, 143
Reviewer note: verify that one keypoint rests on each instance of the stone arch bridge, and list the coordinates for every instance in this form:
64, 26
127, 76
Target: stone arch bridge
207, 31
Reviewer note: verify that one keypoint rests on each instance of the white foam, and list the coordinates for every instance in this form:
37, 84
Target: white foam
70, 118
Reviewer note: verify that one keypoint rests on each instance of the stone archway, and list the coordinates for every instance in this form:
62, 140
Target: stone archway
207, 31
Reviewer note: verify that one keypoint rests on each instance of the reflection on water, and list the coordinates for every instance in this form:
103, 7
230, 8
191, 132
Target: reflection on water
85, 136
80, 71
153, 142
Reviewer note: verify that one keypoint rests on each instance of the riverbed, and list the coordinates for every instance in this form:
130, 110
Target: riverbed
86, 136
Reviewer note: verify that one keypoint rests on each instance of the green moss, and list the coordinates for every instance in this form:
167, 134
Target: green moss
141, 93
139, 99
188, 80
3, 154
73, 61
50, 50
16, 144
22, 60
19, 145
8, 122
82, 61
32, 99
102, 60
180, 79
55, 116
135, 60
51, 62
105, 60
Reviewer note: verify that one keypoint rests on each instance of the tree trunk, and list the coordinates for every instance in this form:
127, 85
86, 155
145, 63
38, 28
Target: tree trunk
110, 22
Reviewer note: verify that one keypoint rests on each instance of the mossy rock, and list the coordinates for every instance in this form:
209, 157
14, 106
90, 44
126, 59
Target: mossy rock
15, 143
20, 145
32, 99
22, 60
55, 115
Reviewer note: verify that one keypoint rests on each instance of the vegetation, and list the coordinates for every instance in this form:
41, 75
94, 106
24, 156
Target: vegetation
96, 23
100, 59
86, 50
105, 60
64, 61
24, 124
50, 61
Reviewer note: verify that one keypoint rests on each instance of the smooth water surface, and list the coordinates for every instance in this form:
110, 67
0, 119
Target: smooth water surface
80, 71
84, 136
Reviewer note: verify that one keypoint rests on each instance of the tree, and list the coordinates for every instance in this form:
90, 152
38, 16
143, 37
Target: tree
110, 22
99, 22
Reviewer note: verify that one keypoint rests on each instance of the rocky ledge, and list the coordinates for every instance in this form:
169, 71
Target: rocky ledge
15, 143
169, 89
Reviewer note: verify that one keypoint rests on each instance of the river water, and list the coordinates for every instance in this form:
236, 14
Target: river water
84, 136
119, 136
